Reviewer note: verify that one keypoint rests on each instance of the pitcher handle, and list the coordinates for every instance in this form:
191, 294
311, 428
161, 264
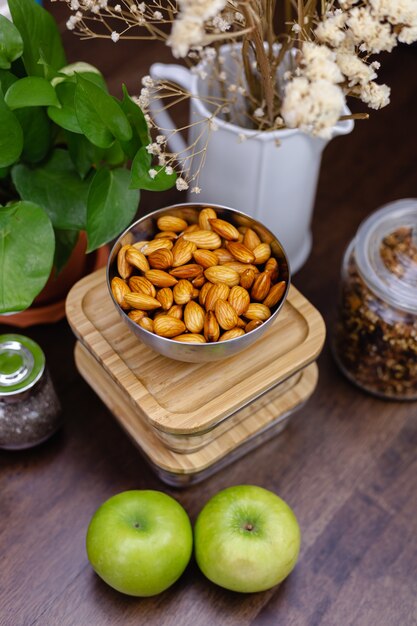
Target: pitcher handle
345, 126
183, 77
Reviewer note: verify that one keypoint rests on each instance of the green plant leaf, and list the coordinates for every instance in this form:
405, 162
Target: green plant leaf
31, 91
11, 135
88, 71
57, 187
11, 43
26, 254
100, 117
37, 133
140, 178
82, 152
114, 155
111, 206
4, 172
6, 79
137, 120
65, 116
65, 242
40, 34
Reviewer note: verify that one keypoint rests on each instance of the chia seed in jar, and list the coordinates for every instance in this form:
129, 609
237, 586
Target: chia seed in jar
29, 407
375, 340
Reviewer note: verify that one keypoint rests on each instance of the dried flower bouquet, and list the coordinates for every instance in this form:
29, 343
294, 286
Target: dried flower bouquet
290, 65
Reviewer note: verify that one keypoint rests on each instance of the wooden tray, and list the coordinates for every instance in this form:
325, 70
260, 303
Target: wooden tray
261, 422
184, 398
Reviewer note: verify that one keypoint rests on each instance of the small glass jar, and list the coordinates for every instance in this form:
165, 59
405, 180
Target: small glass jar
375, 339
29, 407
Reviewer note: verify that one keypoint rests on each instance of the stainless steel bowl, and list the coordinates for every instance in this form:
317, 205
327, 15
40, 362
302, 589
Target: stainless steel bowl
144, 229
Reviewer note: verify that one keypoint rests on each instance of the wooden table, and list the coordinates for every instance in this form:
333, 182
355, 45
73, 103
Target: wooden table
346, 464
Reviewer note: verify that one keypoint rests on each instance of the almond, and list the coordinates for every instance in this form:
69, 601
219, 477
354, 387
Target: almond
191, 270
146, 323
123, 266
183, 291
170, 222
206, 239
204, 218
205, 258
246, 278
211, 327
261, 286
216, 292
252, 325
119, 290
176, 311
161, 259
222, 274
142, 301
203, 292
251, 239
239, 299
199, 281
272, 267
256, 311
232, 334
195, 293
190, 338
240, 252
192, 228
262, 253
194, 317
241, 323
136, 315
241, 267
225, 314
271, 264
223, 255
139, 244
168, 326
224, 229
159, 278
166, 234
142, 285
183, 252
156, 244
165, 297
275, 294
136, 258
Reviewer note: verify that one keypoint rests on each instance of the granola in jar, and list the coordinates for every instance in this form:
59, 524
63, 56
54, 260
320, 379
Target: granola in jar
375, 339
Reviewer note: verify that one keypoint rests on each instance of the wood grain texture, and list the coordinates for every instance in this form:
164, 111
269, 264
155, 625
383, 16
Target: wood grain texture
186, 398
346, 463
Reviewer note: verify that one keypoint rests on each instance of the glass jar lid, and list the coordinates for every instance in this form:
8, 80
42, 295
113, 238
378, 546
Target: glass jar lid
22, 363
386, 253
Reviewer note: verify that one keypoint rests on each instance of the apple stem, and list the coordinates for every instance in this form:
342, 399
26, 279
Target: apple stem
248, 526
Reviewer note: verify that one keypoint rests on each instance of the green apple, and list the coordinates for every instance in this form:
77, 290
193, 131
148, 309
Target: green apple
246, 539
140, 542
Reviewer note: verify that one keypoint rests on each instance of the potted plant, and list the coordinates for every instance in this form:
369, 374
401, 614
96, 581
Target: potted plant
267, 89
73, 158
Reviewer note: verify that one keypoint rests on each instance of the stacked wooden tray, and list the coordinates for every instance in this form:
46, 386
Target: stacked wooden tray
191, 419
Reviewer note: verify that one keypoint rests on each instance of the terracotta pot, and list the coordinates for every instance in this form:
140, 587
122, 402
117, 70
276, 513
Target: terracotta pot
49, 306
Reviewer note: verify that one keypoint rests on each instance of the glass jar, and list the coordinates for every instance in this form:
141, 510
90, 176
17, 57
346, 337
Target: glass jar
29, 407
375, 339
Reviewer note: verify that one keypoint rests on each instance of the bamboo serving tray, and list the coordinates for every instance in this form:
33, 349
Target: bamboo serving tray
263, 420
185, 398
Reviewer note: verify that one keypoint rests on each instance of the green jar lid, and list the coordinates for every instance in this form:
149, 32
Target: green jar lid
22, 363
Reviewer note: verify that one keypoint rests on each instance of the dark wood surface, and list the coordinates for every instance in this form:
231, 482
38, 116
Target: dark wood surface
346, 463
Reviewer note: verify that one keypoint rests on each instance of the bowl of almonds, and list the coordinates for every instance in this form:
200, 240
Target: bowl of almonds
198, 283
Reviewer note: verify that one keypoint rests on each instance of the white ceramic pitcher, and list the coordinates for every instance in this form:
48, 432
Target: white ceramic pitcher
274, 184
